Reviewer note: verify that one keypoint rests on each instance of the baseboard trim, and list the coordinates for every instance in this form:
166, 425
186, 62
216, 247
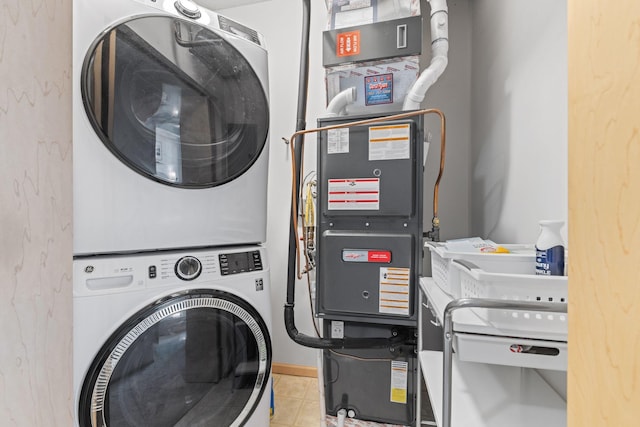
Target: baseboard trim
296, 370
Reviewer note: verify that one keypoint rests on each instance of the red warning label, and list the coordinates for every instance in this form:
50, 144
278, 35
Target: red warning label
366, 255
379, 256
348, 44
354, 194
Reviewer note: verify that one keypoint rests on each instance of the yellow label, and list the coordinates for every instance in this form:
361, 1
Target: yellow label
398, 395
399, 371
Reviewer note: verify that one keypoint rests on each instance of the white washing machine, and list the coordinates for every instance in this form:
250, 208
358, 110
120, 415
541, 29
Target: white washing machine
175, 339
170, 127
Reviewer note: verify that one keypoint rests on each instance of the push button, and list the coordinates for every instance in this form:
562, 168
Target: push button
257, 261
153, 272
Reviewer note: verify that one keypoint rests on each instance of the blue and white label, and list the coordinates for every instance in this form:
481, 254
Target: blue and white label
378, 89
550, 262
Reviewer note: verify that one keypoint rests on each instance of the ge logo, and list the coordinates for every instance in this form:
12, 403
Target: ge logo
88, 269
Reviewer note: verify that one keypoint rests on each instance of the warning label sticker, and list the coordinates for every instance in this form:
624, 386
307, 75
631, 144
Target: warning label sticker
354, 194
366, 255
348, 44
399, 373
394, 290
389, 142
378, 89
337, 141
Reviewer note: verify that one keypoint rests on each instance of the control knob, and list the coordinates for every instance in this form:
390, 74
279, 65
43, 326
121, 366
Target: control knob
188, 9
188, 268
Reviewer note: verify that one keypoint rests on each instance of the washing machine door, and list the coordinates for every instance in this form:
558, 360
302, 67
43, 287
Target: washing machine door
175, 101
199, 358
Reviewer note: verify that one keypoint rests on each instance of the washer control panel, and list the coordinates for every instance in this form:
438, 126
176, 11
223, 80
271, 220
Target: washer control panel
239, 262
188, 268
124, 273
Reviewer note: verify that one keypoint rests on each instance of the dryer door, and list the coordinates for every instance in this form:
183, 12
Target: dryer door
175, 101
200, 358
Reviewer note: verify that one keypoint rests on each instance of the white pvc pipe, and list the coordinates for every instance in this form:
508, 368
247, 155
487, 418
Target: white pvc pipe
339, 102
439, 55
342, 415
319, 356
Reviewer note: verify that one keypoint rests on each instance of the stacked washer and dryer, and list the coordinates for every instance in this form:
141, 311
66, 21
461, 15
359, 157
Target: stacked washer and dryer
172, 317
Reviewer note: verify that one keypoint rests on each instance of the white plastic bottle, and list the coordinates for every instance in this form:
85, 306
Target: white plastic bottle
550, 249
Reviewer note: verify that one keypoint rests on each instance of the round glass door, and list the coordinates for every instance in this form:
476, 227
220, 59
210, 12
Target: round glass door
201, 358
175, 101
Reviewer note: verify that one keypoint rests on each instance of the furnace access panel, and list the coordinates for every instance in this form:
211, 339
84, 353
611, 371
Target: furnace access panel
370, 222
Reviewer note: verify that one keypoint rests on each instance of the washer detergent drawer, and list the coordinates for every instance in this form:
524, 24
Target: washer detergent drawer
522, 352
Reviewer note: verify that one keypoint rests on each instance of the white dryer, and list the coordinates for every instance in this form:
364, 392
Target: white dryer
176, 339
170, 127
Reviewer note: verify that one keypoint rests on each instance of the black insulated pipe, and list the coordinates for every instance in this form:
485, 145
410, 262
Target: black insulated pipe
303, 84
289, 318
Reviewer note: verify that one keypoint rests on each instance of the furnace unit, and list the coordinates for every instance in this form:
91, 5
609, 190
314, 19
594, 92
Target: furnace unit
370, 183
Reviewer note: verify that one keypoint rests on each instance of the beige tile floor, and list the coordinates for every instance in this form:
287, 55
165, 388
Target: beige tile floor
296, 401
297, 404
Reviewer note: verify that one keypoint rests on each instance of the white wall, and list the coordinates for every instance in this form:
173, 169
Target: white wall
519, 122
35, 212
451, 94
280, 22
519, 117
